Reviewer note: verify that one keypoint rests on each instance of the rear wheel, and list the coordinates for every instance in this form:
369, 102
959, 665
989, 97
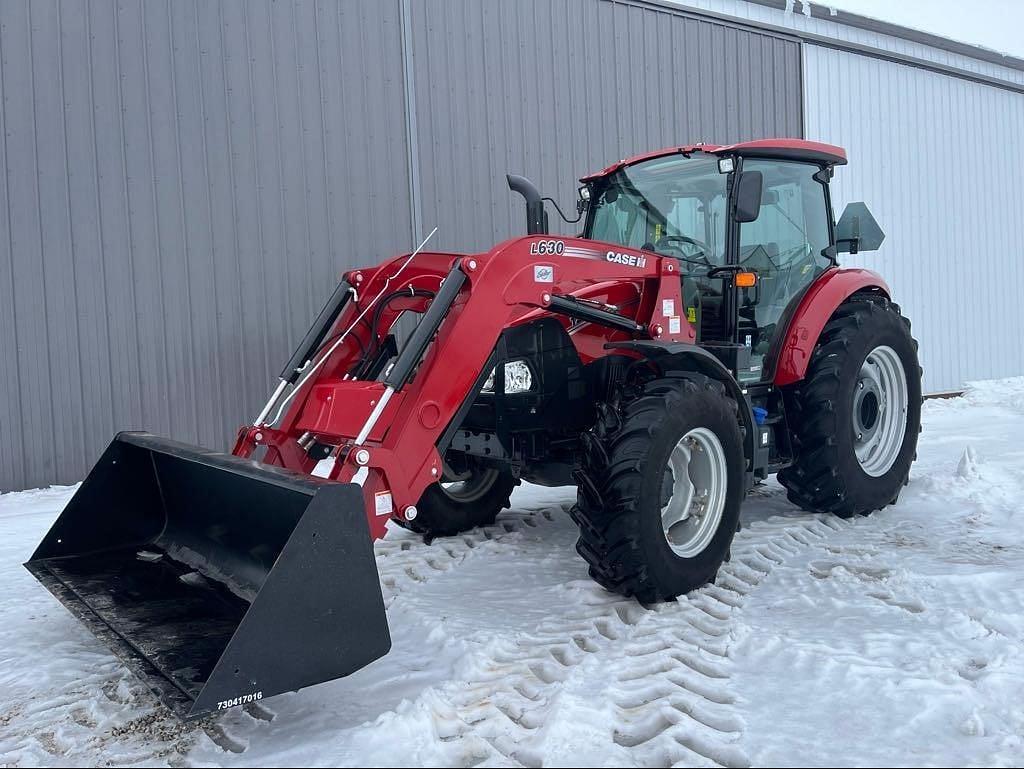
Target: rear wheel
462, 500
857, 414
660, 490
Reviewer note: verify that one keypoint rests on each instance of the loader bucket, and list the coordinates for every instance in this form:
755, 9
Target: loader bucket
218, 580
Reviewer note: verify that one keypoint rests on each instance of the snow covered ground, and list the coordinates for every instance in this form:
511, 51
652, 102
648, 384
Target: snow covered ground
892, 640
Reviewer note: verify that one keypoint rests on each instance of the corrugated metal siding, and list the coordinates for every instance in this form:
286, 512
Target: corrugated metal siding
939, 162
556, 89
795, 19
183, 182
184, 179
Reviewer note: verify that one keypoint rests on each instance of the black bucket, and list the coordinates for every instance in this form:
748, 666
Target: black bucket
218, 580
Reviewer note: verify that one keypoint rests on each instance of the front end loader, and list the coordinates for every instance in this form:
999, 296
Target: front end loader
698, 336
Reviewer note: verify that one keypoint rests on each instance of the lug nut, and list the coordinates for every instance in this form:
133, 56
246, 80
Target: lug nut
258, 437
472, 264
362, 457
410, 513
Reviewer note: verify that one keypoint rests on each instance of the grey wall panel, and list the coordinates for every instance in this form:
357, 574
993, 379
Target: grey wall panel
185, 179
557, 89
182, 184
939, 161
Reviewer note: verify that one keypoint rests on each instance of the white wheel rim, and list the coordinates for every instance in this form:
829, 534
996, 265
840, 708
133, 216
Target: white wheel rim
879, 416
696, 481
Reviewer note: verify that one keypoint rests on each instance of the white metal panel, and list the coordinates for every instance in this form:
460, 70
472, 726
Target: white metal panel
940, 163
795, 19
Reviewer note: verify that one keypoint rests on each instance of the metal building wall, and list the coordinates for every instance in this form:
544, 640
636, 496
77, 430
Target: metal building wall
556, 89
939, 160
185, 179
821, 19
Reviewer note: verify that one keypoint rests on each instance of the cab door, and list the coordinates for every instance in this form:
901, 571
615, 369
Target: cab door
787, 246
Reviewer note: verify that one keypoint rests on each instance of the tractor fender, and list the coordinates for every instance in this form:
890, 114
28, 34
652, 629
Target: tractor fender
810, 314
682, 356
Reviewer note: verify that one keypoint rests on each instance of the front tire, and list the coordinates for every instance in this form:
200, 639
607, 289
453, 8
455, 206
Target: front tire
450, 508
660, 488
857, 414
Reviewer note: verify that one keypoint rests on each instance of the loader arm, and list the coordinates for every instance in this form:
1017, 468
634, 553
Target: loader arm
383, 434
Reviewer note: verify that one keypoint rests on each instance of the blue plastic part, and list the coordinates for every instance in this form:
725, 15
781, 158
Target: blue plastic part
760, 414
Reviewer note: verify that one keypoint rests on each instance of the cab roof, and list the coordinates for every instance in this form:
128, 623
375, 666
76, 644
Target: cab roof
782, 149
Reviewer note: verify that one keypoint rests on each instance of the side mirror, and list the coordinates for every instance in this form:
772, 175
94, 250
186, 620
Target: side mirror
857, 230
748, 196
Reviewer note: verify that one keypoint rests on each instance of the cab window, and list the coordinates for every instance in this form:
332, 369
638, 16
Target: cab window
673, 205
786, 246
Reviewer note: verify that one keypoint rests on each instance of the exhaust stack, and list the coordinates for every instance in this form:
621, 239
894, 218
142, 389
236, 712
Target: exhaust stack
536, 216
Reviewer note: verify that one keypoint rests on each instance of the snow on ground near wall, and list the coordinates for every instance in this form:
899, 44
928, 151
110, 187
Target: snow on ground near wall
892, 640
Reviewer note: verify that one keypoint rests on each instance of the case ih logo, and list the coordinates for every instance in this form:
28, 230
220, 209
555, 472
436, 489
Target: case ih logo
627, 259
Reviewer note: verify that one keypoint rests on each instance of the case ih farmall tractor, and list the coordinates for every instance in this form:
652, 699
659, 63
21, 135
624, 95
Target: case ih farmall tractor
697, 337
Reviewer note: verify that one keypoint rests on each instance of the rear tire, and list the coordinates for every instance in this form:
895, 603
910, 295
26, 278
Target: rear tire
857, 414
677, 437
445, 512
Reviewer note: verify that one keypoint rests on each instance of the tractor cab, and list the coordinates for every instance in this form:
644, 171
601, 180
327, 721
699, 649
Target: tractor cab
750, 225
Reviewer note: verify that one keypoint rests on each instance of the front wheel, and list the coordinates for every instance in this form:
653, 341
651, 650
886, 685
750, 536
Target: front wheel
660, 488
461, 501
857, 414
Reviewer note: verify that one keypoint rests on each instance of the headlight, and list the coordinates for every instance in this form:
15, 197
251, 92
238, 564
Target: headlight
518, 378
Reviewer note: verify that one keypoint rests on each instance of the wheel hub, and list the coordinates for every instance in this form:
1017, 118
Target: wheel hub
867, 408
693, 492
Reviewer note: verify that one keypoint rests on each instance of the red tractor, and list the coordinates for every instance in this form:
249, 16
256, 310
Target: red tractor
697, 337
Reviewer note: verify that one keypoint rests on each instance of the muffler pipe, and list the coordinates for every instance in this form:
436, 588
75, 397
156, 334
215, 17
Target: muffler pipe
536, 216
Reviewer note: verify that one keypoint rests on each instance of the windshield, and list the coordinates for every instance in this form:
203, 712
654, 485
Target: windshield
673, 205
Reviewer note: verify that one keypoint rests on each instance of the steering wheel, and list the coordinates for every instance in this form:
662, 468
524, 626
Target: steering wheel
677, 242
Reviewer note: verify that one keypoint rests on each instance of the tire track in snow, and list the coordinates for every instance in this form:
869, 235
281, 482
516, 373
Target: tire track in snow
945, 639
669, 667
685, 712
404, 560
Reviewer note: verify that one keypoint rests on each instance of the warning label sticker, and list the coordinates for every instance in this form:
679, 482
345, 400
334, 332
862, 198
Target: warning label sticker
382, 503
